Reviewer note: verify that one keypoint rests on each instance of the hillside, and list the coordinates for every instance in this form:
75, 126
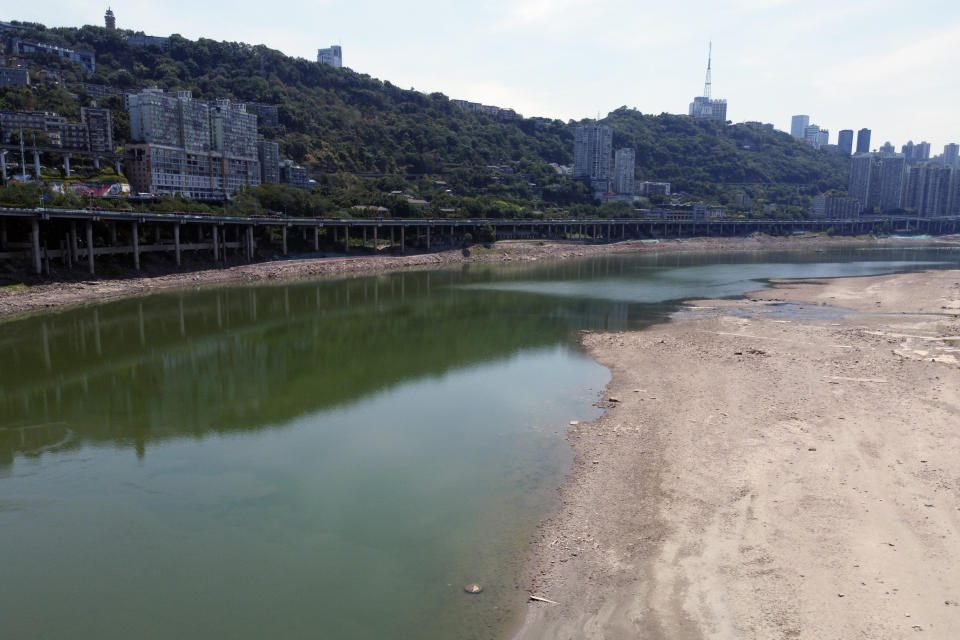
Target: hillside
341, 123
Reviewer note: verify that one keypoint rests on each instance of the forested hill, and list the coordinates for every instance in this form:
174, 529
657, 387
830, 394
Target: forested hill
338, 120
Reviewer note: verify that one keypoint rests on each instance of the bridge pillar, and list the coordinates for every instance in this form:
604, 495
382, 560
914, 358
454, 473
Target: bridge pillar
90, 246
250, 243
316, 238
428, 238
36, 164
66, 164
403, 233
375, 239
176, 242
364, 241
346, 239
135, 233
73, 243
283, 234
3, 233
113, 233
65, 251
3, 166
216, 243
35, 240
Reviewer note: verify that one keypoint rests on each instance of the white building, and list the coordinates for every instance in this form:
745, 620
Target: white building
332, 56
816, 136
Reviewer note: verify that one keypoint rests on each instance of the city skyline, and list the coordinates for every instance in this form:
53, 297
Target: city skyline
770, 59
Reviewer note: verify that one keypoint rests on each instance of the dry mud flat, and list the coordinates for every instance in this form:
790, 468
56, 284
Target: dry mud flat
768, 471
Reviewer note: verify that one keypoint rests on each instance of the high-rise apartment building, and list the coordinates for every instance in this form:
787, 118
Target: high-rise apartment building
845, 140
877, 180
592, 145
908, 150
624, 168
99, 128
332, 55
932, 190
863, 141
922, 152
269, 155
798, 126
950, 155
190, 147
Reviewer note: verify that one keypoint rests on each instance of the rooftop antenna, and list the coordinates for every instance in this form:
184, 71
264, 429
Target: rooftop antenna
706, 85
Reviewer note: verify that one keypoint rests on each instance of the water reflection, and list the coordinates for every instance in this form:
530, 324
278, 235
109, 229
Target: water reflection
235, 359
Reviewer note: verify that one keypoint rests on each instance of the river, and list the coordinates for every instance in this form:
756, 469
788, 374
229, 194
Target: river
327, 459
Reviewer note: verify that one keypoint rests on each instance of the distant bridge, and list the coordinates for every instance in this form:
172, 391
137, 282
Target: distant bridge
37, 236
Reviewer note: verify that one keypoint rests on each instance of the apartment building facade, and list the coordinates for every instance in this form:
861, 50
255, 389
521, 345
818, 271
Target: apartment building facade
194, 148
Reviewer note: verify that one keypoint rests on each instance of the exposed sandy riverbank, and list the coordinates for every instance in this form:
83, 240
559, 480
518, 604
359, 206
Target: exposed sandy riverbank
38, 296
768, 476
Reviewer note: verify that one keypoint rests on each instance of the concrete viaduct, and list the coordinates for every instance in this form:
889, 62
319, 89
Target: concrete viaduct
77, 236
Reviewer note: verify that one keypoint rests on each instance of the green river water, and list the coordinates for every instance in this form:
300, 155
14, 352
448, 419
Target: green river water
330, 459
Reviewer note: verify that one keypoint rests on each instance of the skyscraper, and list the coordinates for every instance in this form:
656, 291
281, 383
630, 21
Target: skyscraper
624, 167
922, 152
845, 140
703, 107
332, 56
798, 125
863, 141
592, 145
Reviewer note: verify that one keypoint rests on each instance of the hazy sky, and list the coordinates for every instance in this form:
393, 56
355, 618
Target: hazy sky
888, 65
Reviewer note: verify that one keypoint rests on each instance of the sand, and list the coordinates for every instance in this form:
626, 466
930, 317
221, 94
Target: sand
768, 471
